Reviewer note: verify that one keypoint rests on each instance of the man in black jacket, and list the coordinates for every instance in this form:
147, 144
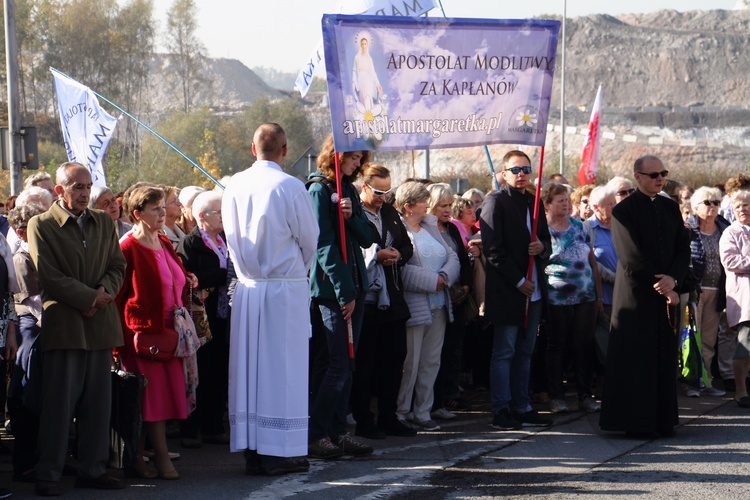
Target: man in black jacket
513, 303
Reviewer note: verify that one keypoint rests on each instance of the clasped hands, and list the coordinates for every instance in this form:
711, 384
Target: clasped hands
103, 299
665, 286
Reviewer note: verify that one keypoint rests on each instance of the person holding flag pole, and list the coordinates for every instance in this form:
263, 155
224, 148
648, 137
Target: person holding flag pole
338, 282
514, 236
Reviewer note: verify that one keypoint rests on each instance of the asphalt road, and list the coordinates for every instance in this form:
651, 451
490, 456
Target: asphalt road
707, 458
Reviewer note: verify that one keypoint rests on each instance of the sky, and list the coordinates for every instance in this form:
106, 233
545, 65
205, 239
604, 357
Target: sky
282, 34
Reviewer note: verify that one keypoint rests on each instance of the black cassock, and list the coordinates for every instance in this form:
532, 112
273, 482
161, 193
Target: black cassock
640, 387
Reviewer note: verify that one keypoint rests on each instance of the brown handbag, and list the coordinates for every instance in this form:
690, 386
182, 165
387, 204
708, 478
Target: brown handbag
198, 313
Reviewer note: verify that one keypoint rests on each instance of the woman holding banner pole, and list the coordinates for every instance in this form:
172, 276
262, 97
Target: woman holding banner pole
338, 282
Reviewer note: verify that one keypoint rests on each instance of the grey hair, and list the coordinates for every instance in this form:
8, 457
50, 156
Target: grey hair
35, 179
34, 192
616, 182
62, 174
472, 191
202, 202
96, 192
188, 194
599, 193
704, 193
438, 193
411, 192
741, 193
21, 215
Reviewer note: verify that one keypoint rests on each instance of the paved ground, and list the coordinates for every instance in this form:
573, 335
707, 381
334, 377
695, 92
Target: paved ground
707, 458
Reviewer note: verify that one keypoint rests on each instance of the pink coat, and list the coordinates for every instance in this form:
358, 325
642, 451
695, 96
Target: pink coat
734, 248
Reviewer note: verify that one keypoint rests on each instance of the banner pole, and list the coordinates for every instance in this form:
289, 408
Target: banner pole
344, 253
202, 170
534, 226
492, 168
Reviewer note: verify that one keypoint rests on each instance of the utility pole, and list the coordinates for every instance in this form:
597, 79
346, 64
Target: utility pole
14, 106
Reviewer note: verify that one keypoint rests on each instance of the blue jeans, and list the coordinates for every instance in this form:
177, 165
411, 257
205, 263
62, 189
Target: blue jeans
510, 366
328, 412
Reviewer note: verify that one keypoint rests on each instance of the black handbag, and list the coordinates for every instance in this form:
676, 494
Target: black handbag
126, 418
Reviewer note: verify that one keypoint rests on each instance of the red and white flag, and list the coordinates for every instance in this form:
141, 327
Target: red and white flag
590, 155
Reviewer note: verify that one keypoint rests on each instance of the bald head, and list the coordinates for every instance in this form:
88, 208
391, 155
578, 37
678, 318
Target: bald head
269, 142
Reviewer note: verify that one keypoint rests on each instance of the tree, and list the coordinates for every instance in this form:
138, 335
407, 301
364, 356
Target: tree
186, 50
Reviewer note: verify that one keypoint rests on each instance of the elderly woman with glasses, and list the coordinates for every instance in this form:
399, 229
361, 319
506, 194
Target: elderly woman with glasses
174, 212
102, 198
580, 202
622, 188
428, 275
205, 254
706, 228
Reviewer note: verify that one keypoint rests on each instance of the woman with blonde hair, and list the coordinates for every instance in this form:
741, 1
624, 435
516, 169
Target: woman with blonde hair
428, 275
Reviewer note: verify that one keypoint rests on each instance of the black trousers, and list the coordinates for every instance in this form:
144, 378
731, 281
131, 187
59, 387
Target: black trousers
379, 365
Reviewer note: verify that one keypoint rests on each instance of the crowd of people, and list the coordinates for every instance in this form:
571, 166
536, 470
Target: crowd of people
414, 294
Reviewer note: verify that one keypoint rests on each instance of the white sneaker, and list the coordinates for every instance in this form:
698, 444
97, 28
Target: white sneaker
442, 414
713, 391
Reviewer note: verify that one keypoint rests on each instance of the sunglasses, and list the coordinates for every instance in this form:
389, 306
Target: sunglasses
708, 203
654, 175
378, 192
625, 192
518, 170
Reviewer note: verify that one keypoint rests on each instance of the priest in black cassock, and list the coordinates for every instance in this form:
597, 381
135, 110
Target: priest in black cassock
653, 247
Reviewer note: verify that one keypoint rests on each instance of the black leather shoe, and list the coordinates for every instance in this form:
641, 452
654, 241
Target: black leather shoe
252, 463
284, 466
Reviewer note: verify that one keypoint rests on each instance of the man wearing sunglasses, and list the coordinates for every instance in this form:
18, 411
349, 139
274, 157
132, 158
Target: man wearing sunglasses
653, 247
506, 225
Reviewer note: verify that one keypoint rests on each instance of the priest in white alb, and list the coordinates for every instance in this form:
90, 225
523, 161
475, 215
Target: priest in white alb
272, 236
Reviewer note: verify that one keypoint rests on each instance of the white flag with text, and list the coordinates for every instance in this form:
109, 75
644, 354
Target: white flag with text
413, 8
86, 127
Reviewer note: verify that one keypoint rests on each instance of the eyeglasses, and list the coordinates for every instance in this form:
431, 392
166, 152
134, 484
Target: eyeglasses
213, 212
517, 170
654, 175
708, 203
378, 192
625, 192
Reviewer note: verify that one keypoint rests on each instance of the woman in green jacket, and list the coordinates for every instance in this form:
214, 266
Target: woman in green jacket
337, 290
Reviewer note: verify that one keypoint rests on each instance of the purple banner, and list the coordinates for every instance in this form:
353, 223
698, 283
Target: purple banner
399, 83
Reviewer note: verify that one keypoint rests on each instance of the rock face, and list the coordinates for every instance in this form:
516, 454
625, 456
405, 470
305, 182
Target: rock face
660, 59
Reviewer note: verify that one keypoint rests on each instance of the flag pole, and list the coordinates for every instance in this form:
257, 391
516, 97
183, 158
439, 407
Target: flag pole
344, 253
202, 170
534, 226
492, 168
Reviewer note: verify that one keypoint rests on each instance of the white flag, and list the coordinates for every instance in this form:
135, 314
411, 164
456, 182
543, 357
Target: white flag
86, 127
414, 8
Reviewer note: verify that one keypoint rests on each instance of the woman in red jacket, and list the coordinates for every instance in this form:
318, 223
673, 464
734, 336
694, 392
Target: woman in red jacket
155, 282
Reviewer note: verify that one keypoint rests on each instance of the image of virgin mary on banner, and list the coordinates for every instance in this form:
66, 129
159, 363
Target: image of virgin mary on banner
398, 83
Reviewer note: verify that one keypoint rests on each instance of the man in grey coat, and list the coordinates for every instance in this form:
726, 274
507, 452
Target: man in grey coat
80, 269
